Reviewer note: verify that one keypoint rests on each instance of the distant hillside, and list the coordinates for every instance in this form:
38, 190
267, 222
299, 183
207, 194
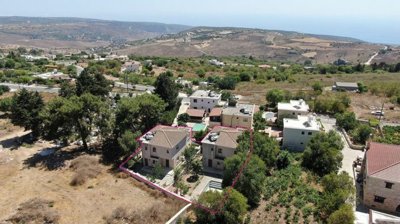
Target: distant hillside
266, 44
42, 32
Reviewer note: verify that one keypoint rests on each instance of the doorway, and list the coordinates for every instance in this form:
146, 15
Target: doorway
167, 163
209, 163
146, 162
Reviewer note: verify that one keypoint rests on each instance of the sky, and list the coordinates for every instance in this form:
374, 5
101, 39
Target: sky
370, 20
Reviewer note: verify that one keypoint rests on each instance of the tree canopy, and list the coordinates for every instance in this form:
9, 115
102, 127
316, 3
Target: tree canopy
95, 84
250, 181
138, 114
167, 90
323, 153
233, 211
25, 111
275, 96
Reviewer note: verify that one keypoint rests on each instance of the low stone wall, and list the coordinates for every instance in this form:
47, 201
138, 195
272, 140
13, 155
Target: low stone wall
178, 215
351, 145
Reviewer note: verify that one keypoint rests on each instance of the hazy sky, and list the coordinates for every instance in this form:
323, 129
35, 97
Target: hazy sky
370, 20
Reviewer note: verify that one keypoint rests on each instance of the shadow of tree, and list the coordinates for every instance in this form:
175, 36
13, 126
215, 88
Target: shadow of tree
53, 161
15, 142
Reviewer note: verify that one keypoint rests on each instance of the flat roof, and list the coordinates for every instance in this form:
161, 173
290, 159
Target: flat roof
238, 110
346, 84
294, 105
206, 94
216, 112
302, 123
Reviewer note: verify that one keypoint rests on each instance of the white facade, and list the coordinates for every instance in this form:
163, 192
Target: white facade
131, 67
293, 108
298, 132
202, 99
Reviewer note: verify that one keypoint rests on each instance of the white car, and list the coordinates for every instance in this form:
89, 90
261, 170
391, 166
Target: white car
378, 113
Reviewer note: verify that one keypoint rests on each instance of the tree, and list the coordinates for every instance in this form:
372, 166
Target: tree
25, 110
338, 189
259, 121
346, 120
167, 90
323, 153
228, 82
138, 114
345, 215
317, 87
233, 211
197, 168
275, 96
362, 88
189, 154
283, 159
200, 135
127, 142
79, 114
95, 84
67, 90
226, 95
201, 73
4, 89
245, 77
362, 133
250, 181
264, 147
5, 104
184, 118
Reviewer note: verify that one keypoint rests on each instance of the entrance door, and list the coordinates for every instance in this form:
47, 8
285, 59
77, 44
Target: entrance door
209, 163
146, 162
398, 209
167, 163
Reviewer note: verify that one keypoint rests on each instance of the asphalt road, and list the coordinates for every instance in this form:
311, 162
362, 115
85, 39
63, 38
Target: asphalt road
37, 88
134, 87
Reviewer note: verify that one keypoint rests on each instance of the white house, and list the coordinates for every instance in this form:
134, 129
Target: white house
218, 145
293, 108
164, 145
204, 99
216, 62
298, 132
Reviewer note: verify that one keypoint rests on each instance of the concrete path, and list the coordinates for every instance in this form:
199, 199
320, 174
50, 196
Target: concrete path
203, 184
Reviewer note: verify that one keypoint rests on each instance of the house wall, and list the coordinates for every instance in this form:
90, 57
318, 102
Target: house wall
377, 187
294, 113
293, 138
210, 151
164, 153
237, 120
204, 103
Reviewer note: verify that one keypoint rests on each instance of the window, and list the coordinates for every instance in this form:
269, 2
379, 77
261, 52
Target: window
294, 113
213, 101
202, 100
145, 148
389, 185
167, 151
379, 199
245, 120
154, 161
302, 132
219, 150
154, 149
309, 133
301, 143
195, 101
218, 163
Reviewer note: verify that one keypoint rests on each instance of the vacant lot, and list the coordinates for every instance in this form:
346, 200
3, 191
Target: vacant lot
75, 187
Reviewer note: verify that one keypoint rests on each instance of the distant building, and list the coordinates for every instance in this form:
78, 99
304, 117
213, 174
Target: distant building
293, 108
183, 82
298, 132
164, 145
340, 62
204, 99
218, 145
131, 66
381, 170
239, 116
54, 75
345, 86
216, 62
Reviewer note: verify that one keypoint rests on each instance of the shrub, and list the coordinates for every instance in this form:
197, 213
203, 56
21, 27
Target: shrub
85, 167
35, 211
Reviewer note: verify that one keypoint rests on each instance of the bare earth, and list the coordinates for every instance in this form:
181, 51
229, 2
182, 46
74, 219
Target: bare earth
91, 202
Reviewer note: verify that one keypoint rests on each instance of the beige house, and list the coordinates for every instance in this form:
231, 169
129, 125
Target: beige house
219, 144
381, 171
298, 132
293, 108
240, 116
164, 145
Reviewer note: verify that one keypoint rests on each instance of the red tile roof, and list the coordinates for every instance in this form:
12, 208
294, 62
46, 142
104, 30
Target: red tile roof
195, 112
383, 160
216, 112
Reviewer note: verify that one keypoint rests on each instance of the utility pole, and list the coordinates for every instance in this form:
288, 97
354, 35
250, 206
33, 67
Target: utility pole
381, 114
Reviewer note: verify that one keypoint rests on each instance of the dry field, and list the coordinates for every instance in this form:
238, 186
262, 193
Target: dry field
74, 188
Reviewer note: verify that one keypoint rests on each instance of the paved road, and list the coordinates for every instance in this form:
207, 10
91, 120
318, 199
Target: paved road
38, 88
134, 87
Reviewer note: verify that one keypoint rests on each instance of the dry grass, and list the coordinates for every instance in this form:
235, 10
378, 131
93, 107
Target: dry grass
157, 213
35, 211
85, 167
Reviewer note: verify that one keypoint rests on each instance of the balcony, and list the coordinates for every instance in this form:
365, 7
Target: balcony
219, 157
